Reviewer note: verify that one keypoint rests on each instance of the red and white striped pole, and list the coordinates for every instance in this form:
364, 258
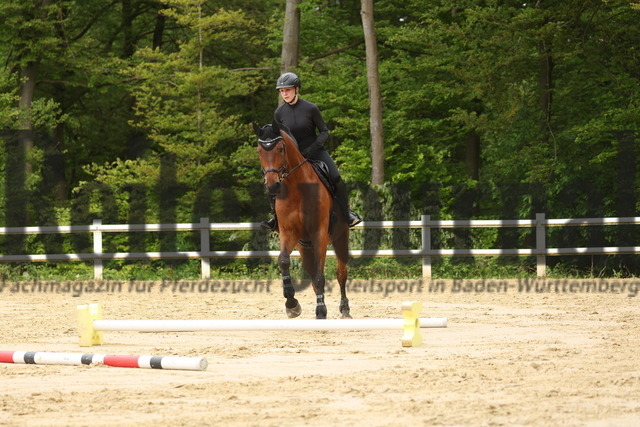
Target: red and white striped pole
122, 361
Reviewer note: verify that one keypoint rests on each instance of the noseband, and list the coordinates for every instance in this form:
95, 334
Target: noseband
270, 144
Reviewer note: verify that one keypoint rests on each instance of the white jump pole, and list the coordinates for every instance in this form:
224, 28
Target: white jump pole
91, 325
260, 325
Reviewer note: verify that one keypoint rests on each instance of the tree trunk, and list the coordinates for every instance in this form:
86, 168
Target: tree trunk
375, 97
28, 76
127, 29
473, 155
545, 87
545, 84
158, 31
291, 37
56, 161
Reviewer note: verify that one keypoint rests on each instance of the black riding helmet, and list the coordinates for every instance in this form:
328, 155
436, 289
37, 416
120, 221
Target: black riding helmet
288, 80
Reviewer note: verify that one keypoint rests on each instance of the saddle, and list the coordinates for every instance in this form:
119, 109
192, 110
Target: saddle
323, 173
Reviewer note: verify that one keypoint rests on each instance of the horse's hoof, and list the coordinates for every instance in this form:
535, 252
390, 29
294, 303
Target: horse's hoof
294, 312
346, 314
321, 312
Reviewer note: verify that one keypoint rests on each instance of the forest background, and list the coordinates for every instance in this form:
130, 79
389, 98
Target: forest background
141, 111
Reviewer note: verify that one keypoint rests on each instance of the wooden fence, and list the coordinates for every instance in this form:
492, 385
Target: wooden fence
425, 252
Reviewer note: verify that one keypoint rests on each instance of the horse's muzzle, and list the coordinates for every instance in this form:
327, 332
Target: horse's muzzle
274, 187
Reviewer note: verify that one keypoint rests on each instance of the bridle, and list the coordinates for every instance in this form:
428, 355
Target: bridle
270, 144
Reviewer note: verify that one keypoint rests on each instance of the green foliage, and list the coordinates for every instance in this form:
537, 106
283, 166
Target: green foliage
185, 105
484, 268
144, 114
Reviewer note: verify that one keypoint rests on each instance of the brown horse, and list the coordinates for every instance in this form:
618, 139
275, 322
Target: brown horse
306, 219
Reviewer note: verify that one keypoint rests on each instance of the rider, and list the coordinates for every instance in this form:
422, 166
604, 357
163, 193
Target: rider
303, 118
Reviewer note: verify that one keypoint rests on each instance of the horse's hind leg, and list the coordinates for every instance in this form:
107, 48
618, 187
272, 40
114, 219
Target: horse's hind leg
341, 247
345, 310
292, 305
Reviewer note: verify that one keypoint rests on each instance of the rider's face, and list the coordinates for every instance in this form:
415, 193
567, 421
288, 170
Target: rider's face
288, 94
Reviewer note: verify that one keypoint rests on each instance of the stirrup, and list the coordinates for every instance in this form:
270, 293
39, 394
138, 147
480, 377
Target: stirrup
270, 225
353, 219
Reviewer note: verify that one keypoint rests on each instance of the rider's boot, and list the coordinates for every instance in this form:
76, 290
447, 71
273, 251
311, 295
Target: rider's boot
342, 198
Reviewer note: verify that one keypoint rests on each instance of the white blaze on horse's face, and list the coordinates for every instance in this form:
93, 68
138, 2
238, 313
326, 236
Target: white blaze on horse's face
273, 165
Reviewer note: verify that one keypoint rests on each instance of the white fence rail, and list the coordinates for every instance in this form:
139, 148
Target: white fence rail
426, 252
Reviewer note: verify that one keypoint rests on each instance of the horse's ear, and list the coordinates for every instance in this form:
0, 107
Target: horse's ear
284, 131
256, 129
276, 127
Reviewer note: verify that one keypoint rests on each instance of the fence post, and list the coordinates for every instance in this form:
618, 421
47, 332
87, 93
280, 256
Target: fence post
97, 248
205, 262
426, 246
541, 246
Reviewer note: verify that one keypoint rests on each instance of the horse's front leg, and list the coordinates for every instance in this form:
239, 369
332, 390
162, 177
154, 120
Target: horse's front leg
292, 305
313, 261
321, 308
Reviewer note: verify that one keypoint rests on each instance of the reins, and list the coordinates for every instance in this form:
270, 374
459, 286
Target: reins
286, 174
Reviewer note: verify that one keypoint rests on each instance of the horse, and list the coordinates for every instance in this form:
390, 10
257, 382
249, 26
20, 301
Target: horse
308, 217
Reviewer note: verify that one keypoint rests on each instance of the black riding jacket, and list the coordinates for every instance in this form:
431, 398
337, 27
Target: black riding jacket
303, 119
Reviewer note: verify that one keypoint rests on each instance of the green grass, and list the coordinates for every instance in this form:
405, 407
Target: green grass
359, 268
